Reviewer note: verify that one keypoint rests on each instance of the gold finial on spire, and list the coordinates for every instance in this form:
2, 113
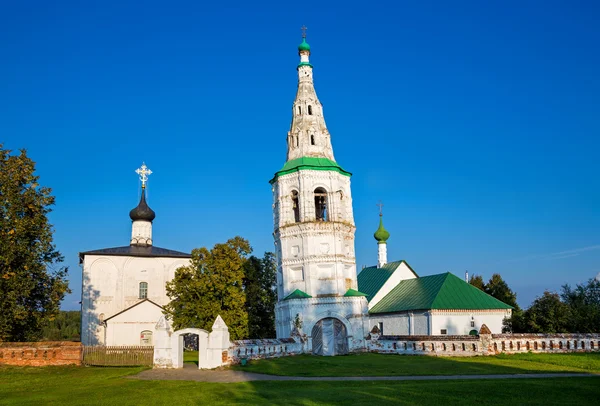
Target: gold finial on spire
143, 171
380, 208
303, 28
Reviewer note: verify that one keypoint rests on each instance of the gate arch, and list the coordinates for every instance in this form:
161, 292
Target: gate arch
177, 344
329, 337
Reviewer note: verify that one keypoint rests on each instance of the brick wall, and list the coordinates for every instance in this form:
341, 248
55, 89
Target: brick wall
41, 353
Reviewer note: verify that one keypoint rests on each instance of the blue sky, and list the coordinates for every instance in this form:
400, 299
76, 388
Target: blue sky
476, 123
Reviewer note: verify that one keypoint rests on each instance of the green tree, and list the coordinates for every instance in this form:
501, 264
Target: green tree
499, 289
584, 303
547, 314
31, 284
211, 285
477, 281
66, 326
261, 296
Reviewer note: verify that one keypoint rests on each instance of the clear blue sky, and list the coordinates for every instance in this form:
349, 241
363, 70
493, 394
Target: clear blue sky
476, 123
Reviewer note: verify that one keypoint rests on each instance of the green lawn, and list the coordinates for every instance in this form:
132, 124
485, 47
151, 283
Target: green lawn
109, 386
190, 357
393, 365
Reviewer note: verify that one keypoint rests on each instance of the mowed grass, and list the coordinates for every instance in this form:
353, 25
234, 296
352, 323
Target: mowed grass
369, 364
111, 386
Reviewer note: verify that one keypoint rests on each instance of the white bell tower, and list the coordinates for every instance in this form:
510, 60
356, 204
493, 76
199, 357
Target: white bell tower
313, 223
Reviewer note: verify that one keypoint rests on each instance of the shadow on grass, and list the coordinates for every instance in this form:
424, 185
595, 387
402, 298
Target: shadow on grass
405, 365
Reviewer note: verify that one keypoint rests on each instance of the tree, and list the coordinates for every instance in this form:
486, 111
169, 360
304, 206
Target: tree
499, 289
547, 314
211, 285
31, 284
261, 296
66, 326
477, 281
584, 303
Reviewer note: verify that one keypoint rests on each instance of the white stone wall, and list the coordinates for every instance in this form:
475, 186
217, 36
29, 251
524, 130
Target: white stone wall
126, 328
111, 284
316, 257
349, 310
455, 322
462, 322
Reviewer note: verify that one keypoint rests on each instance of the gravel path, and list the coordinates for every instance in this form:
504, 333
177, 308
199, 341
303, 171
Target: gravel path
228, 376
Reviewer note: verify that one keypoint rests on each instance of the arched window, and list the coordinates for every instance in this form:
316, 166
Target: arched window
321, 209
299, 110
312, 139
143, 290
296, 206
309, 110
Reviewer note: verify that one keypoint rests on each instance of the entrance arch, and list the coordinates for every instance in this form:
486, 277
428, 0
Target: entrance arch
329, 337
177, 344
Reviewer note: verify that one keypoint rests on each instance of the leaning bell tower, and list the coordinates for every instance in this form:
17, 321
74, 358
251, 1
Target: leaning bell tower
314, 225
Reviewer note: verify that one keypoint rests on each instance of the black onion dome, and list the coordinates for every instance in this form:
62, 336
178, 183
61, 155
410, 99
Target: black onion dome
142, 211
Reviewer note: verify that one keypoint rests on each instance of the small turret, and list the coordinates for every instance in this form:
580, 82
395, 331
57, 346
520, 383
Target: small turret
381, 236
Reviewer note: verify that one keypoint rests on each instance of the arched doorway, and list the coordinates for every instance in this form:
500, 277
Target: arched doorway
178, 345
329, 337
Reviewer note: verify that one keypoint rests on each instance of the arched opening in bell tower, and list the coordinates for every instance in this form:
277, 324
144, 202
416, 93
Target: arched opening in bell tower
296, 206
321, 209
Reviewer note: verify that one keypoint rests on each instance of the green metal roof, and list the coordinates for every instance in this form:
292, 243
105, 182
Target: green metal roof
318, 164
443, 291
353, 292
371, 279
297, 294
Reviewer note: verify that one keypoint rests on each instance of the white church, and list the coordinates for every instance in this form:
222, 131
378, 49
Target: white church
320, 294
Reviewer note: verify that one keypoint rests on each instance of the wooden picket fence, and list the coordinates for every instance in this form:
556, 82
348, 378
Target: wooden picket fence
118, 356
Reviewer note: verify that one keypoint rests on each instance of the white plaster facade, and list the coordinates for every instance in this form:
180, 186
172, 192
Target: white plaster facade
116, 280
433, 322
314, 247
111, 284
133, 326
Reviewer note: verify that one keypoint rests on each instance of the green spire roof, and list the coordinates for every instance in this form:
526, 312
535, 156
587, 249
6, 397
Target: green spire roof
304, 46
381, 235
297, 294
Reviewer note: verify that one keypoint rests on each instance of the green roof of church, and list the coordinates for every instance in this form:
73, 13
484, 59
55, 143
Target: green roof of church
371, 279
443, 291
297, 294
311, 163
353, 292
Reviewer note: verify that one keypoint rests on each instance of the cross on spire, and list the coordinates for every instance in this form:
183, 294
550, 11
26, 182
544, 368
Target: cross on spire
303, 28
144, 172
380, 208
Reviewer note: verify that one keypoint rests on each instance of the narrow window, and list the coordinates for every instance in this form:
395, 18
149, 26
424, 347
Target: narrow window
299, 110
310, 110
381, 328
296, 206
321, 204
297, 142
312, 139
143, 290
472, 323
